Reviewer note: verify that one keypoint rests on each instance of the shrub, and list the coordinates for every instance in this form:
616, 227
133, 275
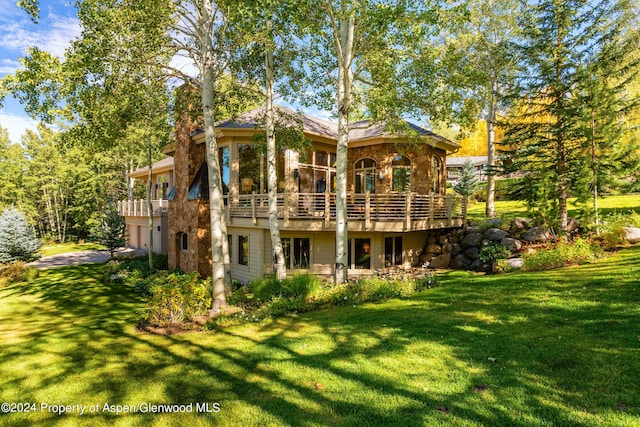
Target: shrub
560, 255
175, 297
16, 272
493, 252
299, 285
613, 233
18, 241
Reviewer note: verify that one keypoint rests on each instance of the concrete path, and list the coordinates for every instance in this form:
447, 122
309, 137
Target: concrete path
81, 257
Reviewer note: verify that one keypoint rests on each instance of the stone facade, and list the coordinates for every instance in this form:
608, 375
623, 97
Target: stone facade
383, 155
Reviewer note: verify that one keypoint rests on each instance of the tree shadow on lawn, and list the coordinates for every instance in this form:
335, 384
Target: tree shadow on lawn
419, 361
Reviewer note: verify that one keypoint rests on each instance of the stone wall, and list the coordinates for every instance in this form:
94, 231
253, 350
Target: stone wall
383, 155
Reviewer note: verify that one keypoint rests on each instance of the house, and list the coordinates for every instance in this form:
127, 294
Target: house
396, 195
136, 214
454, 167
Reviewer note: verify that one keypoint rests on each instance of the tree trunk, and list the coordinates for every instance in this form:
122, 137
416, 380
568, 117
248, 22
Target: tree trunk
150, 206
276, 243
220, 277
344, 47
490, 210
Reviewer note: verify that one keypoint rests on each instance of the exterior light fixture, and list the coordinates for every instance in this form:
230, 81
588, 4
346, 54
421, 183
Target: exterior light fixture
379, 175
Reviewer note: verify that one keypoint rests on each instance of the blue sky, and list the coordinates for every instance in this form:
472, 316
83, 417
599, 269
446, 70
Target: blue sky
58, 25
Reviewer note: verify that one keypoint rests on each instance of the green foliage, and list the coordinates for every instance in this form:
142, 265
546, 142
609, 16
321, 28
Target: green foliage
303, 293
18, 241
111, 231
613, 233
493, 252
16, 272
468, 182
299, 285
560, 254
176, 297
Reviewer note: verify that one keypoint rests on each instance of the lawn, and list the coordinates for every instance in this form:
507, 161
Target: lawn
511, 209
550, 348
61, 248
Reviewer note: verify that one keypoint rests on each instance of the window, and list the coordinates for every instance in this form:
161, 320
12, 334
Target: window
365, 176
224, 160
185, 241
436, 174
230, 248
243, 250
251, 165
199, 188
360, 254
296, 252
401, 167
392, 251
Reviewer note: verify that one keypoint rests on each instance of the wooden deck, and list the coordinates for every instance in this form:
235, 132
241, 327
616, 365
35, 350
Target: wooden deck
365, 212
139, 207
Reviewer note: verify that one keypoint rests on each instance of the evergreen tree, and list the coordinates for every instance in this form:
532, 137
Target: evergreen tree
18, 241
467, 184
111, 231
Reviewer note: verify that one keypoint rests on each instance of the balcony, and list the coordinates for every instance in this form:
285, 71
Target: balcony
139, 207
396, 212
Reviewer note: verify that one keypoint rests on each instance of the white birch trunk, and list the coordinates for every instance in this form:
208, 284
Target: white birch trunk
150, 207
276, 243
490, 210
220, 277
344, 47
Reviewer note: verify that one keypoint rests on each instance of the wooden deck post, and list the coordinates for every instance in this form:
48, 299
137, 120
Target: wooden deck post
327, 208
432, 208
407, 212
367, 209
253, 208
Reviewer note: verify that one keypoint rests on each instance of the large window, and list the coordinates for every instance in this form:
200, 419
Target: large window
401, 167
365, 176
243, 250
392, 251
251, 168
360, 254
296, 253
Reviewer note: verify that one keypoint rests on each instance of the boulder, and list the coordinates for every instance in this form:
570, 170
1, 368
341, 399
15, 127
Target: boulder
477, 265
495, 222
473, 239
472, 253
514, 245
472, 230
572, 225
446, 248
460, 262
426, 257
511, 264
433, 248
520, 223
431, 240
632, 234
454, 238
537, 234
495, 234
442, 239
455, 249
441, 261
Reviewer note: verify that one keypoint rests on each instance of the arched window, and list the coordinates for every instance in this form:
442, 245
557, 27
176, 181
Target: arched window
401, 167
436, 175
365, 176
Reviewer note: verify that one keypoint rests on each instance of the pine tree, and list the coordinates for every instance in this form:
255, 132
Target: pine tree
467, 184
18, 241
111, 231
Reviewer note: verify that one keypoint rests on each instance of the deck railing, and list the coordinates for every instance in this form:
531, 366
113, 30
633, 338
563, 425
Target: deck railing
139, 207
405, 207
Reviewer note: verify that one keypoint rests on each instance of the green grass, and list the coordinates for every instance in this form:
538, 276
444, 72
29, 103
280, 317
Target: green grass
550, 348
511, 209
62, 248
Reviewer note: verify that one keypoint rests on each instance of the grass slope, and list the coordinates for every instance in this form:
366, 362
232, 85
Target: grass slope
607, 205
62, 248
549, 348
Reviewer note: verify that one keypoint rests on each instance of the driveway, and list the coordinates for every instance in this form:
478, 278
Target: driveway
81, 257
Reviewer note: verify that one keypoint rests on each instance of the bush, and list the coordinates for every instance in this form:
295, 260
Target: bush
17, 272
18, 241
493, 252
176, 297
613, 233
560, 255
302, 293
